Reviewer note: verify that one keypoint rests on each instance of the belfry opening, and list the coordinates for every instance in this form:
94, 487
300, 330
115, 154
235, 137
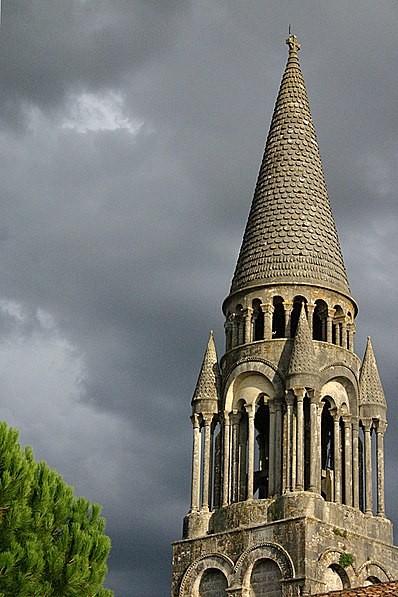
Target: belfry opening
287, 485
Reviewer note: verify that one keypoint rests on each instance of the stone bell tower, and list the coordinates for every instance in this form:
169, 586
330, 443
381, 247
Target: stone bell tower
288, 454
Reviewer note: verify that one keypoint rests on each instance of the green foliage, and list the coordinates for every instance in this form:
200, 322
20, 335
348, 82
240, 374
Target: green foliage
340, 532
51, 543
346, 559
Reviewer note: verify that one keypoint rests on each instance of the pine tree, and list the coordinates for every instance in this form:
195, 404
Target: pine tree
51, 543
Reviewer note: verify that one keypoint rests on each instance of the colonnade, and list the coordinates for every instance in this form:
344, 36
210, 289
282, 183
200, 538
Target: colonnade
334, 327
225, 463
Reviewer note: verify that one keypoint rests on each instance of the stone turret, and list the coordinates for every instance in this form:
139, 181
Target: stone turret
284, 499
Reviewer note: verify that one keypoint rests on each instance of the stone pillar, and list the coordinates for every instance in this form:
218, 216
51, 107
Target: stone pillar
228, 334
310, 311
323, 324
367, 428
268, 311
278, 446
242, 449
337, 457
241, 329
206, 461
226, 450
300, 394
329, 325
235, 457
348, 458
235, 331
271, 461
250, 409
314, 446
289, 439
380, 430
344, 332
355, 462
351, 334
288, 306
247, 315
195, 486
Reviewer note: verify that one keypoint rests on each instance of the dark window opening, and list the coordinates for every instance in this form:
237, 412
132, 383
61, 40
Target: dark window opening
278, 318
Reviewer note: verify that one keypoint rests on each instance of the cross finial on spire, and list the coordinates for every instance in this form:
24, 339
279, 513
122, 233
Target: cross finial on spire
293, 43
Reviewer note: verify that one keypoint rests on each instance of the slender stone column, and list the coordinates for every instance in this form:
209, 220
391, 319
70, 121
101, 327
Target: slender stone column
247, 314
310, 311
288, 306
235, 331
348, 459
250, 409
228, 335
329, 325
235, 457
380, 430
337, 457
289, 439
195, 487
271, 462
241, 330
242, 461
323, 324
300, 394
355, 462
206, 461
226, 449
314, 447
351, 334
367, 428
268, 311
278, 446
344, 333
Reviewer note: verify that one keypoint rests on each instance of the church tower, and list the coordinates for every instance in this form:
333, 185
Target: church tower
288, 428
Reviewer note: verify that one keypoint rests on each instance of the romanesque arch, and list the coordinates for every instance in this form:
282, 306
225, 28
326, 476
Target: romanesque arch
190, 583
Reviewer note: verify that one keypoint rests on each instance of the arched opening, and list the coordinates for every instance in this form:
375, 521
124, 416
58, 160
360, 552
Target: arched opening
261, 472
297, 302
327, 452
278, 318
213, 584
371, 580
319, 320
336, 578
265, 579
258, 320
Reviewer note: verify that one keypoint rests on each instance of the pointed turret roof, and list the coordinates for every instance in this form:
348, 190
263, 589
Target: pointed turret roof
290, 235
208, 384
371, 389
302, 358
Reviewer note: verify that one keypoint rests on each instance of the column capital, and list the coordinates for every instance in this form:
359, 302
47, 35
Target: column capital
267, 308
346, 419
315, 396
195, 420
367, 423
300, 393
248, 312
289, 397
311, 307
207, 419
331, 312
380, 426
250, 409
288, 304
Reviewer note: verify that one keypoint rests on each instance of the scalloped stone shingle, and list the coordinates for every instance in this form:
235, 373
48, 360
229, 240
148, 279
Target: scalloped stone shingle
208, 384
370, 386
302, 358
291, 235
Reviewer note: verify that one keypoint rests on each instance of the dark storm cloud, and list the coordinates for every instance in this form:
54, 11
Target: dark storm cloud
131, 136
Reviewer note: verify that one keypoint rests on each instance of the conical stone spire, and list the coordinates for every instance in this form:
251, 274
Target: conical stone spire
370, 387
206, 394
303, 369
290, 235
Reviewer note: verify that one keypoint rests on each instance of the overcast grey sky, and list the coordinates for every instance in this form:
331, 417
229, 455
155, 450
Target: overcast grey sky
131, 133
